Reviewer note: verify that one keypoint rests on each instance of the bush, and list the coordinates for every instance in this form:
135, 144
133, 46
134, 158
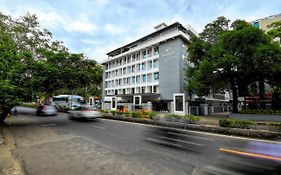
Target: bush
128, 114
276, 126
192, 118
152, 115
136, 114
235, 123
113, 112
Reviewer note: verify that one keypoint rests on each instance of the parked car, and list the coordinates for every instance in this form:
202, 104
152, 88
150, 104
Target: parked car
85, 113
46, 110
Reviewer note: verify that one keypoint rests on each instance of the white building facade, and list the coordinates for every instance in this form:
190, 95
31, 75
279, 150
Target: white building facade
149, 71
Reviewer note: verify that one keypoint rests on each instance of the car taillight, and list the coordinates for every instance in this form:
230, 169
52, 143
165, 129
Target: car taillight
85, 110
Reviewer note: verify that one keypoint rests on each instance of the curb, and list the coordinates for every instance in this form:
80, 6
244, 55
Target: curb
260, 134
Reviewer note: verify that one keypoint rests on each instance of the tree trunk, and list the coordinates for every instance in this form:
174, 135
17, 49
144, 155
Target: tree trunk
5, 113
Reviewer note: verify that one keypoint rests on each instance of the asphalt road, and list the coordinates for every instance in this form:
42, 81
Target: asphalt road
57, 145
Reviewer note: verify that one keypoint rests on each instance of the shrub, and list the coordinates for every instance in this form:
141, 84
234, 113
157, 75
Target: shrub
152, 114
225, 123
276, 126
136, 114
113, 112
127, 114
235, 123
192, 118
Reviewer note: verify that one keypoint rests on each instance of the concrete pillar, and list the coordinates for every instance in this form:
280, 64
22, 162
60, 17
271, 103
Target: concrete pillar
149, 106
186, 108
204, 109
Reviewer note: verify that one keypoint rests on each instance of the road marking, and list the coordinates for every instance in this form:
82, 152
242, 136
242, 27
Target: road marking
98, 127
198, 132
183, 141
163, 142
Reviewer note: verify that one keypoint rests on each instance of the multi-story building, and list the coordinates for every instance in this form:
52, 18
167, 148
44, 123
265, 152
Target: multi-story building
149, 71
264, 22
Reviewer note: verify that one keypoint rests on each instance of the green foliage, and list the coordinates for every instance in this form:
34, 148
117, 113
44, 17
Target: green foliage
275, 29
235, 123
152, 114
113, 112
192, 118
232, 59
136, 114
33, 64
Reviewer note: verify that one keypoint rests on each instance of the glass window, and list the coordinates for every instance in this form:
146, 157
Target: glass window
133, 68
133, 80
155, 63
144, 54
144, 78
142, 66
156, 51
156, 76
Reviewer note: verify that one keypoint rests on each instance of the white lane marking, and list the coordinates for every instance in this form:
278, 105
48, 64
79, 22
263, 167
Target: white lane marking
98, 127
163, 142
198, 132
183, 141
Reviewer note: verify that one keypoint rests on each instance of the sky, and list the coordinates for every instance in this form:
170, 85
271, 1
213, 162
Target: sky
96, 27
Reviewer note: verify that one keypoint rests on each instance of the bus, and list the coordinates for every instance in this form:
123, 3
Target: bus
69, 101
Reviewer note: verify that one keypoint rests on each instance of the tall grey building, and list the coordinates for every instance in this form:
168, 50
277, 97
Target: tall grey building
148, 71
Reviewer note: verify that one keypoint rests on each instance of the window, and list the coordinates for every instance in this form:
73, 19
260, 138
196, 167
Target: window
138, 79
142, 66
124, 70
144, 78
133, 68
149, 77
150, 64
155, 63
156, 76
133, 80
156, 51
144, 54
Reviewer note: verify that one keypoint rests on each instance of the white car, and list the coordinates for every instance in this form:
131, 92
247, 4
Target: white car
85, 113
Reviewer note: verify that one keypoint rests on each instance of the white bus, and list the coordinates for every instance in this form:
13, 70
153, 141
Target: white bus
70, 101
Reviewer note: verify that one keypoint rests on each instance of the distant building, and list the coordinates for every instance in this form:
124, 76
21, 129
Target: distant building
264, 22
150, 71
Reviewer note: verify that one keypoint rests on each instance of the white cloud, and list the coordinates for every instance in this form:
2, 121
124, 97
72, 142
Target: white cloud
80, 26
114, 30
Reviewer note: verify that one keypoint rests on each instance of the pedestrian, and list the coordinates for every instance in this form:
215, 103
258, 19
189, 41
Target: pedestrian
15, 112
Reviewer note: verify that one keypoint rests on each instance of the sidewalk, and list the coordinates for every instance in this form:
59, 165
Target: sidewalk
9, 165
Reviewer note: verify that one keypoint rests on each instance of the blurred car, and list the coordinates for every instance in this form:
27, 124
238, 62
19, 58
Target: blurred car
176, 138
85, 113
46, 110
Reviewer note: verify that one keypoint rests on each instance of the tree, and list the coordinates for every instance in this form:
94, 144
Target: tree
230, 61
275, 31
32, 63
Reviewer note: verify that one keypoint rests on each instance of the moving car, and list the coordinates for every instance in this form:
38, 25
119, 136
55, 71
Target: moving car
85, 113
46, 110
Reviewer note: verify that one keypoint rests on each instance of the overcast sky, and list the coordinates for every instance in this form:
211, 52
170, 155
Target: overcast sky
95, 27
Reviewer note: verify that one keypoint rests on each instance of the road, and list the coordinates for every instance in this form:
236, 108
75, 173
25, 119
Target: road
57, 145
